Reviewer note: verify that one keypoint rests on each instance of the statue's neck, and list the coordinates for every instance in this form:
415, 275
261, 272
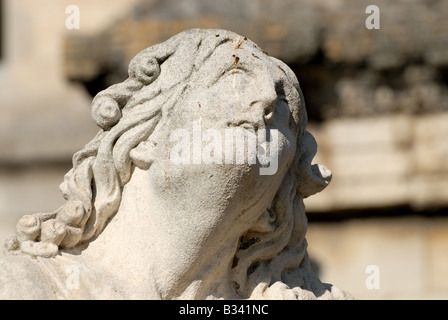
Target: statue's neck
154, 259
147, 271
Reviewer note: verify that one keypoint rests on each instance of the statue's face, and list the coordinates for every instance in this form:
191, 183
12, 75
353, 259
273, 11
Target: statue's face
217, 202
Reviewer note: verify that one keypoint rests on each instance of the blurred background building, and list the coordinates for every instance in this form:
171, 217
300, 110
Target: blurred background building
377, 102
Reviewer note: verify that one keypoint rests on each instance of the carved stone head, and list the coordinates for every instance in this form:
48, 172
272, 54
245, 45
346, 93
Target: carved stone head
196, 178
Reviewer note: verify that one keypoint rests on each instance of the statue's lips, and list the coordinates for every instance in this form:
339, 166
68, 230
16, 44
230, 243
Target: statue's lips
248, 125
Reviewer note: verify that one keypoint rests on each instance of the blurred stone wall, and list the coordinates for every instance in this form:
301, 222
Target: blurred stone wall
384, 161
376, 99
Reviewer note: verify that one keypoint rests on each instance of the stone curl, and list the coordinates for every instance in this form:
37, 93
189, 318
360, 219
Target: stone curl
93, 187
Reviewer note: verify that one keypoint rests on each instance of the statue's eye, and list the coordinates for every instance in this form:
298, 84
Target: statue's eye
236, 71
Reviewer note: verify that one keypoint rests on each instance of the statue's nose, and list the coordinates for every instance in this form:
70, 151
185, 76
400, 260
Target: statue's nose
263, 106
258, 105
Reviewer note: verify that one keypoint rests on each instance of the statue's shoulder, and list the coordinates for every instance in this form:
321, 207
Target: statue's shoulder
61, 277
23, 277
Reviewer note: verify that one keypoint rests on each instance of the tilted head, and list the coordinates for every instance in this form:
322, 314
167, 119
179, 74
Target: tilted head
218, 80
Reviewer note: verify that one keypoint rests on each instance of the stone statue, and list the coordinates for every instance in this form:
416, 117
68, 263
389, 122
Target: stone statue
139, 225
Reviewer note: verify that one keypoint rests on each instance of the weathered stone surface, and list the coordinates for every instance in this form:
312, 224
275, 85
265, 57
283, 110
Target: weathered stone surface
137, 224
34, 102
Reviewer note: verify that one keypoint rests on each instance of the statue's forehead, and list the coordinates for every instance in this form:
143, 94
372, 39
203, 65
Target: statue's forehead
241, 51
244, 55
